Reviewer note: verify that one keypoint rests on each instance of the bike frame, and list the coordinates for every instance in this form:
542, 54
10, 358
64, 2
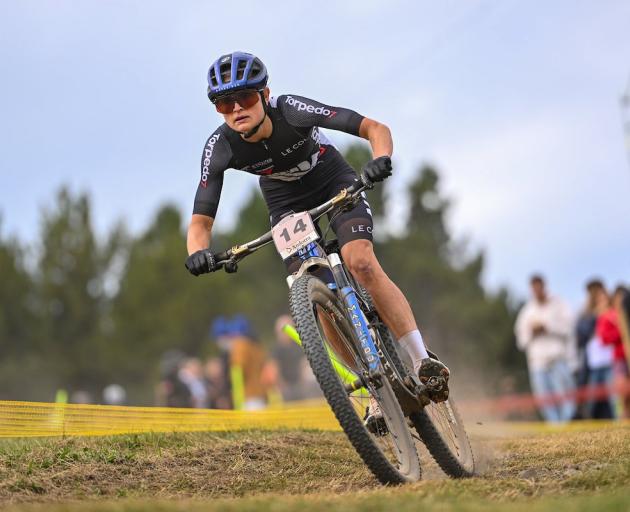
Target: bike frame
410, 392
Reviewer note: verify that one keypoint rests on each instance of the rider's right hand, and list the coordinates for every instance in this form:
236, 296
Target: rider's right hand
201, 262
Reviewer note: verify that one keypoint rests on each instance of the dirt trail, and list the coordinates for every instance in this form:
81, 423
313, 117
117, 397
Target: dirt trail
203, 466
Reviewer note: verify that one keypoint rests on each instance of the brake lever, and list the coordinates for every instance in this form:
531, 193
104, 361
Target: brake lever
230, 266
351, 203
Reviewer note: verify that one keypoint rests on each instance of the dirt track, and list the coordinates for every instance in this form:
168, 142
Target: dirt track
203, 466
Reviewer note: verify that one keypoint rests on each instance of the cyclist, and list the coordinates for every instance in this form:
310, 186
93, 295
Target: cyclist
278, 139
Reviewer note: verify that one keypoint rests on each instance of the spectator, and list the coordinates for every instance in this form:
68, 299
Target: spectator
114, 394
543, 330
217, 382
171, 391
609, 330
585, 332
621, 301
286, 368
218, 371
599, 359
247, 359
191, 374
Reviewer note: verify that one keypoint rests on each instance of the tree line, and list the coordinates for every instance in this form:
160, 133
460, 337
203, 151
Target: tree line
83, 312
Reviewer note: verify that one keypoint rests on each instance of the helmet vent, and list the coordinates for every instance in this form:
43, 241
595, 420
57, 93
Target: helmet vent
256, 68
240, 70
213, 78
226, 72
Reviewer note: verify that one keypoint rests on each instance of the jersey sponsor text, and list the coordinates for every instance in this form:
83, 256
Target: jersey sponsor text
300, 105
207, 155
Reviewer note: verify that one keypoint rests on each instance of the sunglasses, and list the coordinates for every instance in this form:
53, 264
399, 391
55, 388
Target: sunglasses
246, 99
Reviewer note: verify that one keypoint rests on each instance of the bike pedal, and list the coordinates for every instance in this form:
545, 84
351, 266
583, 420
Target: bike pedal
375, 423
437, 388
434, 375
376, 426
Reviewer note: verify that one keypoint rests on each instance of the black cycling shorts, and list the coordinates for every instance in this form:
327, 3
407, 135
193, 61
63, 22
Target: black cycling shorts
355, 224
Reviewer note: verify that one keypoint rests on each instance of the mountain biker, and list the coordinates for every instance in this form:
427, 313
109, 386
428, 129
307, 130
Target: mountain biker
278, 139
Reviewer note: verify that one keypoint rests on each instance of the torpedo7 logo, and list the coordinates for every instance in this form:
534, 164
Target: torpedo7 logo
300, 105
207, 155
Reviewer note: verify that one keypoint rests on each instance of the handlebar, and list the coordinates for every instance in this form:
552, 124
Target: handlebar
346, 197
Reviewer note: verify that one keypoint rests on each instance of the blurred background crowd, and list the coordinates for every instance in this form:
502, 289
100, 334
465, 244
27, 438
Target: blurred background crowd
243, 374
578, 363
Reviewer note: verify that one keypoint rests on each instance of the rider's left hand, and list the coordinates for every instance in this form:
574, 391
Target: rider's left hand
378, 169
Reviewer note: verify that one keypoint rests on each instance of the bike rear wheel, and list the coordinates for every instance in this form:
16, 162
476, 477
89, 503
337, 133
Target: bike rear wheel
442, 431
390, 454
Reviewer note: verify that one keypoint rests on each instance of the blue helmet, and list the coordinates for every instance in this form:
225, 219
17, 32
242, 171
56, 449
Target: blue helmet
234, 72
220, 327
241, 326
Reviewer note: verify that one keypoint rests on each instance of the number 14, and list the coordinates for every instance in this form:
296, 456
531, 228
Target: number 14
299, 227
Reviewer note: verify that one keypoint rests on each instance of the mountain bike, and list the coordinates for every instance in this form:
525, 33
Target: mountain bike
353, 355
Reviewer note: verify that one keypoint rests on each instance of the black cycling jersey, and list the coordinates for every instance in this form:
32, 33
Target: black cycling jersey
294, 162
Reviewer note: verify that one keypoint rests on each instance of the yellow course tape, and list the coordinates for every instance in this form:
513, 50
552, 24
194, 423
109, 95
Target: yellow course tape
34, 419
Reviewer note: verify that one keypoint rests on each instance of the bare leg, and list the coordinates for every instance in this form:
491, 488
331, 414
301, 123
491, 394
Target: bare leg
395, 311
388, 299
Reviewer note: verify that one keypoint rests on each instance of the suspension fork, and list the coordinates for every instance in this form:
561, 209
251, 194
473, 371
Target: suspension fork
354, 313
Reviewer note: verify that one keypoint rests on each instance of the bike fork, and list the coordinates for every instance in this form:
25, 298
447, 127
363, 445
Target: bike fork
354, 313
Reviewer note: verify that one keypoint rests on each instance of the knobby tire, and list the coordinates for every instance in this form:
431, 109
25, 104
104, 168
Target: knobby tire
307, 293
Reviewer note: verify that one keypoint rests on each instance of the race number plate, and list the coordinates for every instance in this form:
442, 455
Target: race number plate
293, 233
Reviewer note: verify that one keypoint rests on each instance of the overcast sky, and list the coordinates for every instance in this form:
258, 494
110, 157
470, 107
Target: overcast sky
516, 103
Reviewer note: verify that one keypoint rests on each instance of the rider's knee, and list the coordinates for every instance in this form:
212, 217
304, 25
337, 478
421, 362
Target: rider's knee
362, 266
361, 260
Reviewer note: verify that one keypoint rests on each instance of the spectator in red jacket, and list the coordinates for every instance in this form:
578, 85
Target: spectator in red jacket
608, 331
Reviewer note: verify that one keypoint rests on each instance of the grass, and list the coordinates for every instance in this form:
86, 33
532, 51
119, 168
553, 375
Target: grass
308, 471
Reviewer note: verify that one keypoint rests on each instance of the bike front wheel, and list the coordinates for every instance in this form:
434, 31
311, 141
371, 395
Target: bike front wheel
325, 332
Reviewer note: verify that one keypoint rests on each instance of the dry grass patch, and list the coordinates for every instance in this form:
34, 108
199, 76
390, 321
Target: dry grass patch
313, 470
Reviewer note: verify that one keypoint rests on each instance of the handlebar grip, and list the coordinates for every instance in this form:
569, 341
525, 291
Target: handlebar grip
222, 256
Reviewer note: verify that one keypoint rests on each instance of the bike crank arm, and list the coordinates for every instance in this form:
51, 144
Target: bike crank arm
412, 397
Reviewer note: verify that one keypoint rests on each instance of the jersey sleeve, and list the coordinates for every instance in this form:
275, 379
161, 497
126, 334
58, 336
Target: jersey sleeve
303, 112
215, 159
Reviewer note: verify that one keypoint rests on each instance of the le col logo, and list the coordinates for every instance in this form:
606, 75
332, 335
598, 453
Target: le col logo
294, 147
207, 155
300, 105
362, 228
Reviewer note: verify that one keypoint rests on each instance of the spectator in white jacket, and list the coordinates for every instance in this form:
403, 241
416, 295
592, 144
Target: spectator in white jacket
544, 329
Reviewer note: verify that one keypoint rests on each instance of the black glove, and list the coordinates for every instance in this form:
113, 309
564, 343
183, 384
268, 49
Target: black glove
201, 262
378, 169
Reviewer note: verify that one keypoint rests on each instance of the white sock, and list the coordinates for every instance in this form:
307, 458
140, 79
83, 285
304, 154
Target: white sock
413, 343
